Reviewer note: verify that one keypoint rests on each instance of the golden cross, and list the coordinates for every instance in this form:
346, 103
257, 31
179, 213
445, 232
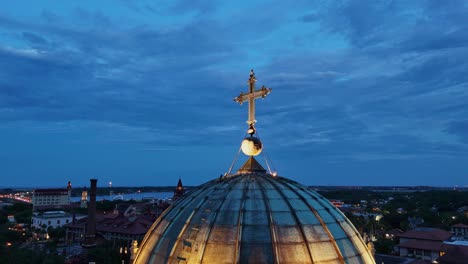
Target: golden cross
250, 97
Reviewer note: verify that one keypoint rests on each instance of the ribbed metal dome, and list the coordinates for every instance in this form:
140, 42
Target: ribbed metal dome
253, 218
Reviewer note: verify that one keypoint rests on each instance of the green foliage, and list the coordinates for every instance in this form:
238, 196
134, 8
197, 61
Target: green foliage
23, 216
7, 235
106, 206
352, 196
384, 246
105, 254
18, 207
21, 211
16, 255
56, 233
79, 210
437, 208
3, 217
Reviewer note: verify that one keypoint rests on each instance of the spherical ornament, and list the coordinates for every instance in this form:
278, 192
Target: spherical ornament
251, 146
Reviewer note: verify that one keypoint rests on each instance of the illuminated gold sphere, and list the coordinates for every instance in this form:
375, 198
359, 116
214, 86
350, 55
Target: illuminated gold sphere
251, 146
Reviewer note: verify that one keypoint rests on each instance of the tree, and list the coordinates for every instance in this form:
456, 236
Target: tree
56, 233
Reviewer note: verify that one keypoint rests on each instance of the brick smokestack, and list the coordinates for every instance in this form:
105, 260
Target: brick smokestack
91, 223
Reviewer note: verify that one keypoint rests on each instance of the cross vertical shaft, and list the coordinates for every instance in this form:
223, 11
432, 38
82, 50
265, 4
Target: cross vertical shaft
252, 80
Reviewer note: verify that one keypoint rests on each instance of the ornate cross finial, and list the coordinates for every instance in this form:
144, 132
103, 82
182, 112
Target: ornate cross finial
250, 97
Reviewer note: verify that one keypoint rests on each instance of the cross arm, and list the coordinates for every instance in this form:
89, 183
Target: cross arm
260, 93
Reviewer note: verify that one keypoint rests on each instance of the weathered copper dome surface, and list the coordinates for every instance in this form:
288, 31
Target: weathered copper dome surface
253, 218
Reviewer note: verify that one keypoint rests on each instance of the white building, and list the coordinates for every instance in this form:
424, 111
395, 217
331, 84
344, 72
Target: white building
52, 219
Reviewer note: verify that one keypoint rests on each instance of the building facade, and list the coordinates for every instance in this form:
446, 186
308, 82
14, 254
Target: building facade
423, 243
84, 198
460, 232
54, 198
52, 219
119, 229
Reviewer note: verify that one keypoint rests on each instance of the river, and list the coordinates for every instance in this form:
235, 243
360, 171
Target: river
129, 196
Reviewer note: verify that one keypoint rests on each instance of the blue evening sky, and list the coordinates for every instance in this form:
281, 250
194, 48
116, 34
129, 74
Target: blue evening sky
140, 92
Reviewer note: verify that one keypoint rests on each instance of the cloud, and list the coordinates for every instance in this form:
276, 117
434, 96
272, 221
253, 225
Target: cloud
459, 128
351, 79
33, 38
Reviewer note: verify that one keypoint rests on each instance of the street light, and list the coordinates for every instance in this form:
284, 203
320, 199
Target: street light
123, 254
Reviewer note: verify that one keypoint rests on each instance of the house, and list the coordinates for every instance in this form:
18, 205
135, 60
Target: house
460, 232
119, 229
423, 243
128, 222
52, 219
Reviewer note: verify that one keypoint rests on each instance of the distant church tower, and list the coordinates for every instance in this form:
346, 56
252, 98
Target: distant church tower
69, 190
84, 198
179, 191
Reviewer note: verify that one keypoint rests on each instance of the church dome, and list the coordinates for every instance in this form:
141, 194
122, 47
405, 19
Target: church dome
253, 218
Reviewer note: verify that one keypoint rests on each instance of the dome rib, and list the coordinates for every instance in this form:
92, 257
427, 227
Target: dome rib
293, 212
327, 207
240, 221
271, 223
216, 213
184, 229
158, 222
319, 218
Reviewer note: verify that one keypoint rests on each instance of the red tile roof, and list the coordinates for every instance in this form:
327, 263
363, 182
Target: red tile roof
427, 234
117, 224
395, 231
454, 254
422, 244
123, 225
51, 191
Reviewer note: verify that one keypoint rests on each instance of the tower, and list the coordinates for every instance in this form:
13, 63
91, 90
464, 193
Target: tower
69, 191
179, 191
84, 198
91, 223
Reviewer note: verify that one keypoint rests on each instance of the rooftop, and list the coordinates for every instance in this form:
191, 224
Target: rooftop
117, 223
427, 234
54, 191
460, 225
51, 214
424, 245
454, 254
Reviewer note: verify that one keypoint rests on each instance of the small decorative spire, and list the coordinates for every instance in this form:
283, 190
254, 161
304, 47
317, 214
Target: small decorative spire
179, 191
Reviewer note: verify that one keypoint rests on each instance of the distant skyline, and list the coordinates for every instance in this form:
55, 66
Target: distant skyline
140, 93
